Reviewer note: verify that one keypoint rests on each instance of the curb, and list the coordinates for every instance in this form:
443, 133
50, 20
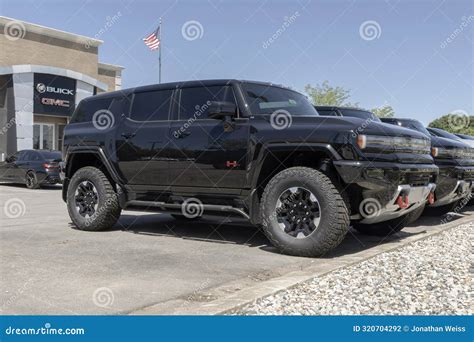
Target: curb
229, 299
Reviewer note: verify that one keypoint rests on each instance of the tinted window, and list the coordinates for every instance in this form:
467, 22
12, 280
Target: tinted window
361, 114
151, 105
87, 108
32, 156
195, 101
327, 112
266, 99
415, 125
50, 155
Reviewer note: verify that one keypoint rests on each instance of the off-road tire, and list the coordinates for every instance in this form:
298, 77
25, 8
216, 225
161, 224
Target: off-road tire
31, 183
334, 216
108, 210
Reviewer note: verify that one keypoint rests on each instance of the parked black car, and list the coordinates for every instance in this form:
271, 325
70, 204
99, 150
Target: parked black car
347, 111
252, 149
455, 160
31, 167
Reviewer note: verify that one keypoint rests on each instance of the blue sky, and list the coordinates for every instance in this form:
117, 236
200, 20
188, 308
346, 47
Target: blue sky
408, 63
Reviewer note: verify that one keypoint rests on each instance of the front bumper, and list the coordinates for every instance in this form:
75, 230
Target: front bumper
454, 183
382, 191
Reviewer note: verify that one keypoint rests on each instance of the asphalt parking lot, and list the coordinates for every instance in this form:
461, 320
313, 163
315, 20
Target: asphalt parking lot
48, 267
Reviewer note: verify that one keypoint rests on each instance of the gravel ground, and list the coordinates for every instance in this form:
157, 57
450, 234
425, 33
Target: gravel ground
429, 277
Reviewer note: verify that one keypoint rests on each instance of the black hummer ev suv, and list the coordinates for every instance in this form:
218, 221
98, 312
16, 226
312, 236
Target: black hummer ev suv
455, 160
244, 148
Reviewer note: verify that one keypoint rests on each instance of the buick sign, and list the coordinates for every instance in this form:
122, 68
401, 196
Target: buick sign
54, 95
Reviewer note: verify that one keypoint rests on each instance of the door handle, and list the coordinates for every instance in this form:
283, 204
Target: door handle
183, 135
128, 135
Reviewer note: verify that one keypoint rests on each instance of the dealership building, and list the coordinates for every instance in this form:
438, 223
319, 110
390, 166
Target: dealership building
44, 73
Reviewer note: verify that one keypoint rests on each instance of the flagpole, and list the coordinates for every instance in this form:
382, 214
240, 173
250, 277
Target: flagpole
159, 56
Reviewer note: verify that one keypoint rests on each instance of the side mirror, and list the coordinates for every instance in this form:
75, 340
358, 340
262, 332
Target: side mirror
220, 110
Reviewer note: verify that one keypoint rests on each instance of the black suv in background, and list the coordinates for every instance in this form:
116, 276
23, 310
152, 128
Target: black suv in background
347, 111
252, 149
455, 160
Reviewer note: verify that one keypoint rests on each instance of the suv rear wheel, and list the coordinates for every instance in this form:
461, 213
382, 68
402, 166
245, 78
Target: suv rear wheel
92, 202
302, 212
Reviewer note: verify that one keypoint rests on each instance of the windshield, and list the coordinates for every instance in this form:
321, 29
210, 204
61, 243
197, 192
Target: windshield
444, 134
50, 154
361, 114
266, 99
415, 125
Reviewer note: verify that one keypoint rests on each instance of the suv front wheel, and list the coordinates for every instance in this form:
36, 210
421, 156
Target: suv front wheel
302, 212
92, 202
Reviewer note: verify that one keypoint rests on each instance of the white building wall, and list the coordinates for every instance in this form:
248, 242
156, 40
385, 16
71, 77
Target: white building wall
23, 91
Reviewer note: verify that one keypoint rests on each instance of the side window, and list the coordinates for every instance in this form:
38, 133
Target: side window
327, 112
86, 109
33, 156
151, 105
195, 101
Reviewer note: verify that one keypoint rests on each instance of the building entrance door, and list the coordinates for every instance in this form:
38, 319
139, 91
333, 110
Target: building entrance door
43, 136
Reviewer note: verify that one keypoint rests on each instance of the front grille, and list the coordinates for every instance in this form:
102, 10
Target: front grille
417, 179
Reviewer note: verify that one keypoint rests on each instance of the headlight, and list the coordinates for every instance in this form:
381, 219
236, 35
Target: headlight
454, 153
381, 143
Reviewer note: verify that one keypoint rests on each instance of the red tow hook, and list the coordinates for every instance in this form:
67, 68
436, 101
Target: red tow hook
402, 201
431, 198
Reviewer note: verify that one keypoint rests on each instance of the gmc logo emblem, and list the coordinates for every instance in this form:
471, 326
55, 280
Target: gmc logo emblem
54, 102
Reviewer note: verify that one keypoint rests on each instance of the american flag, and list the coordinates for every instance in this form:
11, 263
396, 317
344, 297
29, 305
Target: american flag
152, 40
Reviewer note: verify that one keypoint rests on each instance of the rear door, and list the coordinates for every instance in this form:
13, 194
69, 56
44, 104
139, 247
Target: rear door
142, 140
203, 153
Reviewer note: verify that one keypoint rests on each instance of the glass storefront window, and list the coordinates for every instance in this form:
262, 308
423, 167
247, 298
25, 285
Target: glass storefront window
43, 136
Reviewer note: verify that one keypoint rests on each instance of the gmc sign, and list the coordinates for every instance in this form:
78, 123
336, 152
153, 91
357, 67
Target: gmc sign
54, 95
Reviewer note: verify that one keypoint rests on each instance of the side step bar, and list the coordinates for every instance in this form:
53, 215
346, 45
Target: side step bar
206, 207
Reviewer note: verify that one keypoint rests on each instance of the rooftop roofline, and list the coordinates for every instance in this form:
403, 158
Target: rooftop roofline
49, 32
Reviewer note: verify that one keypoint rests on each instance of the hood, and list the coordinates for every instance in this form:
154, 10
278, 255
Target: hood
448, 143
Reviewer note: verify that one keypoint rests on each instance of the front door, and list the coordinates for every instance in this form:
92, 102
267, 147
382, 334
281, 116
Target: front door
142, 140
204, 154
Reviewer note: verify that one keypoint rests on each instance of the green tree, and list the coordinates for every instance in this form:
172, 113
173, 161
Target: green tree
456, 122
326, 95
385, 111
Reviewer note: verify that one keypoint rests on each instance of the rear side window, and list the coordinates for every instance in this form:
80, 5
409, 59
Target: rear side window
86, 109
151, 105
195, 101
327, 112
